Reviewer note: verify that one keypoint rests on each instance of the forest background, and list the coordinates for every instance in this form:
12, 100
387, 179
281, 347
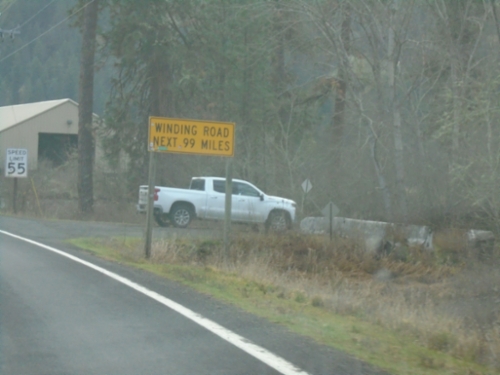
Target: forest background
389, 107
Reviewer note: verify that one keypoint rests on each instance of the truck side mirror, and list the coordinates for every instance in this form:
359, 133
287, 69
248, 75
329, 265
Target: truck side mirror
261, 197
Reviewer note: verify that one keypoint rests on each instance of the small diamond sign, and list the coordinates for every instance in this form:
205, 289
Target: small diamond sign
307, 186
334, 209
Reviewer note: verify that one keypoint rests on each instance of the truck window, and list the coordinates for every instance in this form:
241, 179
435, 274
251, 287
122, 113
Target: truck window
244, 189
220, 186
198, 184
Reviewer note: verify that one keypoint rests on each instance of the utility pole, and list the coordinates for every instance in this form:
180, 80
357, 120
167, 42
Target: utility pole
86, 147
11, 32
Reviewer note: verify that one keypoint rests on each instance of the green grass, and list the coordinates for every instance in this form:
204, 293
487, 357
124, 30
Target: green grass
394, 352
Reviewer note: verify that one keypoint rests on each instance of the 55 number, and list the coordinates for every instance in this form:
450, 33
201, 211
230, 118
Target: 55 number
11, 168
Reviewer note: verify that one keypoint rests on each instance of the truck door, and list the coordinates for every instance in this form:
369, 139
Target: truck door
198, 184
216, 200
247, 203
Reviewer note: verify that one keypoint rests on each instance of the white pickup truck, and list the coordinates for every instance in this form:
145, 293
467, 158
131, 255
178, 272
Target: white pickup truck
205, 199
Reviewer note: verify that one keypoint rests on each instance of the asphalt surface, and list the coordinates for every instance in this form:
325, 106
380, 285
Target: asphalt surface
58, 316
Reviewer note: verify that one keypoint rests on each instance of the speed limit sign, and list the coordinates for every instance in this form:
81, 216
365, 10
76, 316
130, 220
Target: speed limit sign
16, 162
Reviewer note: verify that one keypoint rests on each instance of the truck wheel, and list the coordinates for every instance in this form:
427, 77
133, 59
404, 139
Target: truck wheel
162, 220
277, 221
181, 215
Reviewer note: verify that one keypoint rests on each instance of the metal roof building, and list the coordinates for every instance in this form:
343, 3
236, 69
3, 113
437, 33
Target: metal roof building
46, 129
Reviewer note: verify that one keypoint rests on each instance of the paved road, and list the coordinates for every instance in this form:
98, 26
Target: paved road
58, 316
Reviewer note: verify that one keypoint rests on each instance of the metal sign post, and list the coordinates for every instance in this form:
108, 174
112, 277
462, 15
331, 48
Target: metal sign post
150, 209
306, 187
330, 211
227, 207
331, 223
14, 197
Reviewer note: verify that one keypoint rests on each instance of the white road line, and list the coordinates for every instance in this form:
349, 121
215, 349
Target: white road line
272, 360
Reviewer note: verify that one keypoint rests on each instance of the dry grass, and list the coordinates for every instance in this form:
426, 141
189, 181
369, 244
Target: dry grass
414, 294
438, 298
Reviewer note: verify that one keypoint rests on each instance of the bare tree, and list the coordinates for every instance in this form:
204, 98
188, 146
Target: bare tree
462, 32
339, 111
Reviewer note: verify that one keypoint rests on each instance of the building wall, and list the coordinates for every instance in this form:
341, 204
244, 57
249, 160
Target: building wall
62, 119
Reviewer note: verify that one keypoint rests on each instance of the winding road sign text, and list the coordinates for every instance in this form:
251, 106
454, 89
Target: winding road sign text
184, 136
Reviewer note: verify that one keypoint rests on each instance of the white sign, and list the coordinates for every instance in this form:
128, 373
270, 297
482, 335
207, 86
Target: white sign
16, 162
306, 186
330, 206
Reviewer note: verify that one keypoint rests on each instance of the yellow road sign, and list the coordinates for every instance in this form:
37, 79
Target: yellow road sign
191, 136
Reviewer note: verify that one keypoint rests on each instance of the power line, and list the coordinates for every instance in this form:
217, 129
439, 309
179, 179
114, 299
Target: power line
46, 32
9, 5
16, 30
33, 16
37, 13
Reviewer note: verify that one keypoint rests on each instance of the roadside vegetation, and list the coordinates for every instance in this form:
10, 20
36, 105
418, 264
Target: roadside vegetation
409, 312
